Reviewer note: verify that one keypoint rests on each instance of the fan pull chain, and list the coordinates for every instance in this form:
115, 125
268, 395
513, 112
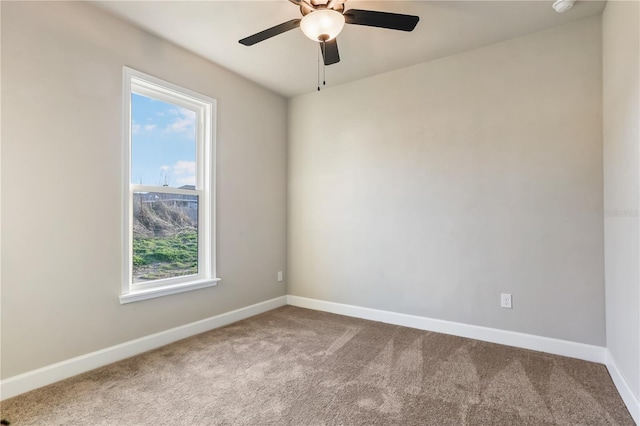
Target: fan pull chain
324, 66
322, 48
318, 68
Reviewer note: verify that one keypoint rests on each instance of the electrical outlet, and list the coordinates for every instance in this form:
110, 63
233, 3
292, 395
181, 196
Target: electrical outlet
505, 300
280, 276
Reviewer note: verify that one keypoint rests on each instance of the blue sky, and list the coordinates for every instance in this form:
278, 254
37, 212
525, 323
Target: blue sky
163, 143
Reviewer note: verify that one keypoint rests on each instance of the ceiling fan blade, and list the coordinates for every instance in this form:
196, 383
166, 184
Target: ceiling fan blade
270, 32
330, 52
372, 18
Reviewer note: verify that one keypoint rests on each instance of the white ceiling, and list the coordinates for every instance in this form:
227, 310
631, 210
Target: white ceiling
287, 63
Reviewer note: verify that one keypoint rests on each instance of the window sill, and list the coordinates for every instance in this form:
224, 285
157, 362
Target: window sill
139, 295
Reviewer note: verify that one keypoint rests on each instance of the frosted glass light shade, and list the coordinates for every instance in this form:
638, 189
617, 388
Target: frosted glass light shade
322, 22
563, 5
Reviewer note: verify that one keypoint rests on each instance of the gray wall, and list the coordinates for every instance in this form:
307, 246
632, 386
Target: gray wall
61, 184
432, 189
621, 70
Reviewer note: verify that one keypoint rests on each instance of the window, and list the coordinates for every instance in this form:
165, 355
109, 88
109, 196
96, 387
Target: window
168, 135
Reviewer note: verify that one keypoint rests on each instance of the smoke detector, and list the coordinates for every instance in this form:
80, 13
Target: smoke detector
563, 5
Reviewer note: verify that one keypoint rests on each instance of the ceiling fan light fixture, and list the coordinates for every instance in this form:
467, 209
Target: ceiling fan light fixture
322, 25
561, 6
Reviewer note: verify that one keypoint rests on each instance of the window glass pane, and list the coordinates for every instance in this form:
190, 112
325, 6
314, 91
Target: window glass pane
163, 143
165, 236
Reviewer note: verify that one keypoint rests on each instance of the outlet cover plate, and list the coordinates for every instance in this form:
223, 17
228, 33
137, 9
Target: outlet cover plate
505, 300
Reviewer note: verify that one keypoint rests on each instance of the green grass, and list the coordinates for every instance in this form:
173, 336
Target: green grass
165, 257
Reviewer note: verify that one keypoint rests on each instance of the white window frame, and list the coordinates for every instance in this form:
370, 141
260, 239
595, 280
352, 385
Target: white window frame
205, 108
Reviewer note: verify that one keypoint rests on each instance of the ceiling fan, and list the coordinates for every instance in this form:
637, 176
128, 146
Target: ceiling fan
322, 22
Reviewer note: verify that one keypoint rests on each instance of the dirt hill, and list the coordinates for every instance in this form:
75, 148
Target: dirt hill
163, 217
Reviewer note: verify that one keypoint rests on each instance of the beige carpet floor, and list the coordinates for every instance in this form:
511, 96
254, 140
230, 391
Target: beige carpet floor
295, 366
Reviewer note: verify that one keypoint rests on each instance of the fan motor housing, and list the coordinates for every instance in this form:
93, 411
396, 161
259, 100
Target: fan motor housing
305, 9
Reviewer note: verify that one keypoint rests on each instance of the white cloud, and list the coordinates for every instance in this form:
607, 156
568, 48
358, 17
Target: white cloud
185, 121
185, 172
136, 128
186, 180
164, 168
184, 167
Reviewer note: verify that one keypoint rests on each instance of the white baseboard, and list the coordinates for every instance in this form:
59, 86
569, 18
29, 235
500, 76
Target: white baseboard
22, 383
566, 348
630, 399
510, 338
